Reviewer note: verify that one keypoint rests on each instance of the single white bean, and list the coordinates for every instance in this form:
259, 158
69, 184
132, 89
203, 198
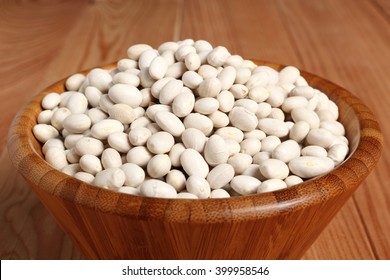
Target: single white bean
209, 87
293, 180
183, 104
271, 185
139, 136
261, 156
158, 166
44, 132
130, 190
304, 114
146, 58
199, 121
100, 79
245, 185
191, 79
90, 164
96, 115
194, 138
45, 116
85, 177
269, 143
72, 156
288, 75
126, 64
240, 162
207, 71
299, 131
219, 119
139, 155
160, 142
169, 122
51, 100
122, 112
250, 146
119, 141
215, 151
338, 153
263, 110
71, 169
56, 157
136, 50
158, 67
248, 104
198, 186
220, 175
74, 82
192, 61
276, 96
170, 91
206, 105
273, 127
218, 56
243, 119
53, 143
157, 188
134, 175
176, 70
58, 117
193, 163
111, 158
239, 91
186, 195
227, 77
309, 166
104, 128
226, 101
320, 137
286, 151
175, 153
89, 145
305, 91
313, 150
243, 74
176, 179
126, 78
125, 94
274, 169
77, 123
219, 193
111, 178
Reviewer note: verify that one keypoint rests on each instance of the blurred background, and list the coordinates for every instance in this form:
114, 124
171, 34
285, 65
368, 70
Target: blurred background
347, 42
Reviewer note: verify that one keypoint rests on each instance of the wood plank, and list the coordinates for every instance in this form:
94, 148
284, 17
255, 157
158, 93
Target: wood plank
28, 231
352, 51
383, 7
270, 21
42, 43
66, 37
252, 28
343, 238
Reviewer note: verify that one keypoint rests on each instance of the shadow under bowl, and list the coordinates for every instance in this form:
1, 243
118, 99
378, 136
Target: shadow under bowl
276, 225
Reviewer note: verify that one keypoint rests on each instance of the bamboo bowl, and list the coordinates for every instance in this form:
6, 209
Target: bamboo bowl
277, 225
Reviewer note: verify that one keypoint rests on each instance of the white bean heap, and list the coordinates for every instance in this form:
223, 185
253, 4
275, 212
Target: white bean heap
188, 120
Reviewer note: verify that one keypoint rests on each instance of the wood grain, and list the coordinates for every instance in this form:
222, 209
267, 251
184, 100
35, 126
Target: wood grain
344, 41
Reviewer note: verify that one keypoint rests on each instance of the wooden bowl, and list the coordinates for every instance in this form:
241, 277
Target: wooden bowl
276, 225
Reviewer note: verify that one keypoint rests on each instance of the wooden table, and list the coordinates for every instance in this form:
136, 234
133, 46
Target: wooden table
347, 42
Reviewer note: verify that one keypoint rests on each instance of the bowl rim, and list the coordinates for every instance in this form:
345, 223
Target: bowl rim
342, 180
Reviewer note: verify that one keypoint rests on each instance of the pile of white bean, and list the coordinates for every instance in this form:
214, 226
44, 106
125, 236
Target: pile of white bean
188, 120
